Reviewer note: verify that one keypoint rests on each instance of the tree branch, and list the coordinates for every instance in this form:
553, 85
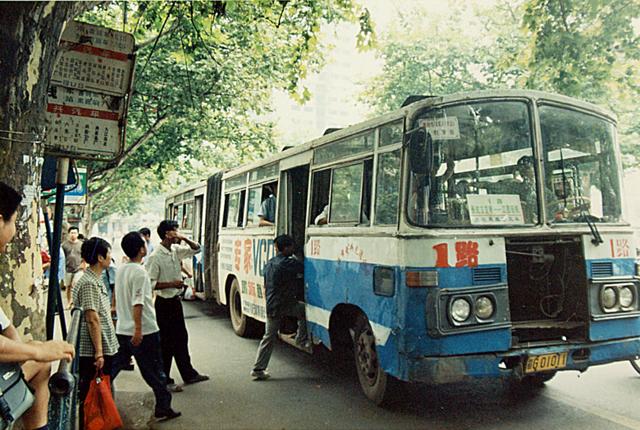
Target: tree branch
158, 36
134, 146
564, 17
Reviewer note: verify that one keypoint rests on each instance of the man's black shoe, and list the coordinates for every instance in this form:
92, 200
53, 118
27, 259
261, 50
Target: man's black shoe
197, 378
166, 414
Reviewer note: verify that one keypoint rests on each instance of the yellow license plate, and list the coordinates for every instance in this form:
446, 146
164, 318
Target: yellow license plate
540, 363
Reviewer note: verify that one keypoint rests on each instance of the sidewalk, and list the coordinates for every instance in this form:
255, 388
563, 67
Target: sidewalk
135, 399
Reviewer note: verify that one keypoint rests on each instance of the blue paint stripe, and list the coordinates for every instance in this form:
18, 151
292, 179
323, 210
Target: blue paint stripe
621, 266
341, 282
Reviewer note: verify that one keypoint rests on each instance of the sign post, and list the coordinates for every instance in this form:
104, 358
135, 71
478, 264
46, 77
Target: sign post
53, 294
86, 116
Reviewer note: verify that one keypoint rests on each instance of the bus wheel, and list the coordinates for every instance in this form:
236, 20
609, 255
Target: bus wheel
238, 318
374, 381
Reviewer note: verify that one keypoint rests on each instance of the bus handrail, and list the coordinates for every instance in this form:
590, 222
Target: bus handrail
63, 384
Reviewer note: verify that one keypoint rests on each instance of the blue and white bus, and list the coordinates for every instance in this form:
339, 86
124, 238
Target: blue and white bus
478, 235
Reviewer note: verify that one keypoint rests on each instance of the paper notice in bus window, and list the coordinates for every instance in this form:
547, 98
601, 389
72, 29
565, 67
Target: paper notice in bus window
495, 209
442, 128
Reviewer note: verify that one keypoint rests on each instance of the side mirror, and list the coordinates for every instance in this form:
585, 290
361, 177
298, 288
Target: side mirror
421, 151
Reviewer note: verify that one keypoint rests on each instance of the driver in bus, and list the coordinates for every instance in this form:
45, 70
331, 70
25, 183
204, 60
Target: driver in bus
524, 185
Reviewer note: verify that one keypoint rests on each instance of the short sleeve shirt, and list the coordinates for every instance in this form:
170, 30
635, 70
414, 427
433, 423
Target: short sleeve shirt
133, 288
164, 266
268, 208
90, 293
72, 255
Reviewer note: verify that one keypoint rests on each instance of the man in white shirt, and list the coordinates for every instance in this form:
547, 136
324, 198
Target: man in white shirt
165, 273
137, 330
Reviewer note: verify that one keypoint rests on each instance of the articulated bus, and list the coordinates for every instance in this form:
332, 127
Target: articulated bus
478, 235
187, 207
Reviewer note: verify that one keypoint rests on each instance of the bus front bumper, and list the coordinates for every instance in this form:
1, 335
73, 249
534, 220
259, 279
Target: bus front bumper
441, 370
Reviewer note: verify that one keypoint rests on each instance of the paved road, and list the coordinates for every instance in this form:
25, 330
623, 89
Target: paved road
317, 392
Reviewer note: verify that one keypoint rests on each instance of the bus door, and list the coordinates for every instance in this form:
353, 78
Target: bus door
292, 210
292, 207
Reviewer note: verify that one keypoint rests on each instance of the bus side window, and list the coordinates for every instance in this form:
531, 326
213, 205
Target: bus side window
253, 206
387, 188
320, 196
365, 214
240, 223
346, 194
233, 209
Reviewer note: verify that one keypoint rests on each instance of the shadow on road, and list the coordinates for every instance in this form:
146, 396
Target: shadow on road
487, 402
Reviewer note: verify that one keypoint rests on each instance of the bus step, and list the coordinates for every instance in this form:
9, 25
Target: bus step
291, 340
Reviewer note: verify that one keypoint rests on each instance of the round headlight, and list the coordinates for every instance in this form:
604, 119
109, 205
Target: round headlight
608, 297
460, 310
484, 307
626, 297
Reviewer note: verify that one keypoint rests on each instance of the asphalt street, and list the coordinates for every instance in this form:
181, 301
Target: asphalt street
319, 392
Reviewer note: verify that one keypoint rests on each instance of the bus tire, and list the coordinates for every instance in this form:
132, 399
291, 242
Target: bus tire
239, 321
376, 384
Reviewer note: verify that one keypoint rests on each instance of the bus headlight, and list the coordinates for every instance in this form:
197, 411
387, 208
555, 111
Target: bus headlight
608, 298
484, 307
460, 310
626, 296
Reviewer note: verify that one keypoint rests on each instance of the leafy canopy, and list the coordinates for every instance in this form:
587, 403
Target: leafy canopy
588, 49
205, 73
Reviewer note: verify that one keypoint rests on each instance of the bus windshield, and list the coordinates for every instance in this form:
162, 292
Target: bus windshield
482, 170
580, 166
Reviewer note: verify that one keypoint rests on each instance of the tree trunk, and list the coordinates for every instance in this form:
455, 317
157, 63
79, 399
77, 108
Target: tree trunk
29, 35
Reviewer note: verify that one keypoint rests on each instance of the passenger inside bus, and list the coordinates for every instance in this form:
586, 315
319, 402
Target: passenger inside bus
322, 217
320, 197
267, 213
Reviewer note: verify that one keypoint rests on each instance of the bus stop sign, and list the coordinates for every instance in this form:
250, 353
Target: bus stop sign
89, 93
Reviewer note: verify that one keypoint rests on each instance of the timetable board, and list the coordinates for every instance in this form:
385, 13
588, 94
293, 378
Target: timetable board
89, 93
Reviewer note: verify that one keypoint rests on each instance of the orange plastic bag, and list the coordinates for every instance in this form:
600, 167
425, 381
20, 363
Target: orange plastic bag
100, 412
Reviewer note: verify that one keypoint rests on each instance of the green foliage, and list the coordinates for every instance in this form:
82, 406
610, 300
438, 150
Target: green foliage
577, 45
586, 49
205, 73
429, 53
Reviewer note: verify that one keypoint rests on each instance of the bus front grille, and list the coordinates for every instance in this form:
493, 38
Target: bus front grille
547, 281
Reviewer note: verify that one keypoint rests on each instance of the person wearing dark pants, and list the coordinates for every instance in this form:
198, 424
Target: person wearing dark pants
175, 339
148, 357
165, 272
137, 331
282, 279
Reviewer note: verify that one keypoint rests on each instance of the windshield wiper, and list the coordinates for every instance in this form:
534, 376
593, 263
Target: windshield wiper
597, 239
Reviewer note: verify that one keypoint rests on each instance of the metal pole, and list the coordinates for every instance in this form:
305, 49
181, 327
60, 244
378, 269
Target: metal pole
62, 172
56, 283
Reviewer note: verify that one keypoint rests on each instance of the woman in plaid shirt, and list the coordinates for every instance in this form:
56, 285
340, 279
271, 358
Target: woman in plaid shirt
98, 342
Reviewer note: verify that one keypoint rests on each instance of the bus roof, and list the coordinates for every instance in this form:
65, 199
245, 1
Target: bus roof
415, 106
202, 183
